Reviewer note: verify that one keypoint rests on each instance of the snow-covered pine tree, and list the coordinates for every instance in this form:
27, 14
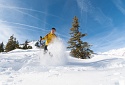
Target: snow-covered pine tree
2, 47
79, 49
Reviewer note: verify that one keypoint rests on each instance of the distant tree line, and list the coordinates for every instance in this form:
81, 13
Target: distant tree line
13, 44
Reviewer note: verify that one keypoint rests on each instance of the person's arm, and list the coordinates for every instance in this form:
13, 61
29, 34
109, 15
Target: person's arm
40, 39
45, 37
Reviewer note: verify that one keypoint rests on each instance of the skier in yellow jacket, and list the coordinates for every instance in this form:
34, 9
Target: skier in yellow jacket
49, 38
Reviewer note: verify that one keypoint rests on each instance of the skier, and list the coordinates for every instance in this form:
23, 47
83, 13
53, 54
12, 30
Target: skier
49, 38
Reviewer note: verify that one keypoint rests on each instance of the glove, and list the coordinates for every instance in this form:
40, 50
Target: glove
40, 37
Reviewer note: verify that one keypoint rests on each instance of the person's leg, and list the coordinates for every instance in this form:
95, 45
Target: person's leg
45, 49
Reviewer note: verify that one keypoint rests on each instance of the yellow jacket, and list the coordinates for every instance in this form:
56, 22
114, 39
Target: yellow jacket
49, 37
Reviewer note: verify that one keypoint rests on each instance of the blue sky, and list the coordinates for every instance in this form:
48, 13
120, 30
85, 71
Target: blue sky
102, 20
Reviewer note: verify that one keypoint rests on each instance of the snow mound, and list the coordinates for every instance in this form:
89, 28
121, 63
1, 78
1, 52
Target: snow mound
31, 67
32, 43
116, 52
58, 50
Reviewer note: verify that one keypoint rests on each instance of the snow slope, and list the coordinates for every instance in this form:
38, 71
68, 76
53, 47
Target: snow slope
31, 67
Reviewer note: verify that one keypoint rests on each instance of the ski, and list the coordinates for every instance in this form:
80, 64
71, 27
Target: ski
50, 54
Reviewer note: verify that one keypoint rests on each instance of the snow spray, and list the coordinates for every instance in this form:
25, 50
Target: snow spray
58, 51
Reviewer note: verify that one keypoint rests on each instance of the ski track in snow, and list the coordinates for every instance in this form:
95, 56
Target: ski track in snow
23, 67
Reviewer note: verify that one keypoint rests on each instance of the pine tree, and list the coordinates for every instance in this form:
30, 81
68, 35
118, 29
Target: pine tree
79, 49
2, 47
25, 45
17, 44
12, 44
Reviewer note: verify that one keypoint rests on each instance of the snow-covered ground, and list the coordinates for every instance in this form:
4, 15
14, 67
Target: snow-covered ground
31, 67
